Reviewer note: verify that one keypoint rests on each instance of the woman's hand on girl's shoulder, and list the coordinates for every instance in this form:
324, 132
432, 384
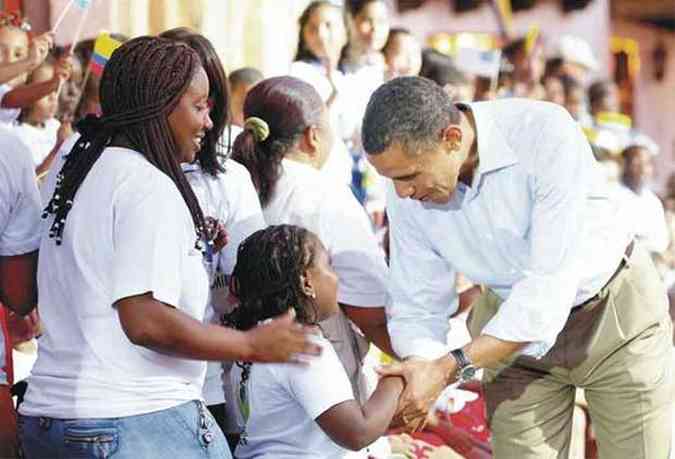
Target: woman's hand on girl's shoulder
283, 340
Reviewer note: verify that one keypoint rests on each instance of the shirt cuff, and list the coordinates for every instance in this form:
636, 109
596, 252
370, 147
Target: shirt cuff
425, 348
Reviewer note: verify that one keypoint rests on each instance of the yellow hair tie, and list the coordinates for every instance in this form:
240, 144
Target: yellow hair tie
258, 127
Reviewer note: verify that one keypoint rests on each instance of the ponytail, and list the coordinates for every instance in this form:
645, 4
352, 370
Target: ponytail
278, 111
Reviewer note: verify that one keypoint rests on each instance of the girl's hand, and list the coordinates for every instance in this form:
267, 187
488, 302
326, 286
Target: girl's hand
65, 131
216, 233
63, 69
39, 49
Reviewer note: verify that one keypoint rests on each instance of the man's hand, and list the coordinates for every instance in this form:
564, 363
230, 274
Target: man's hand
425, 381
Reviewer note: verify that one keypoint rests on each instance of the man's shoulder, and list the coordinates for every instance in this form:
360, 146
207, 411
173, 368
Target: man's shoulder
520, 110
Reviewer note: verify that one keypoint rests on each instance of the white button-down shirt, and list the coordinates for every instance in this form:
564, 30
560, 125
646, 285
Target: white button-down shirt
537, 226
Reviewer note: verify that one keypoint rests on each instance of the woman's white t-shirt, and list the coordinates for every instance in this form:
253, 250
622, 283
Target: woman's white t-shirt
19, 208
231, 198
129, 232
40, 140
303, 197
283, 403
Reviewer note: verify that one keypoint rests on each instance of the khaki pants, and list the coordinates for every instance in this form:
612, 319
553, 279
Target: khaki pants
617, 348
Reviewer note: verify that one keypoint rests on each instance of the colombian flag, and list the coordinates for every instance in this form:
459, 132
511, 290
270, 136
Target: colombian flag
103, 49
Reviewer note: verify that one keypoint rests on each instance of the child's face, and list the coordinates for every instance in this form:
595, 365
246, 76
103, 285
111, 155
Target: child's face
13, 48
237, 98
71, 92
404, 56
325, 33
370, 27
325, 282
44, 108
574, 102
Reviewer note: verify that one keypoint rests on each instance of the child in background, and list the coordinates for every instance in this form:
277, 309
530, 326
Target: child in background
402, 54
71, 90
290, 410
241, 81
18, 56
37, 125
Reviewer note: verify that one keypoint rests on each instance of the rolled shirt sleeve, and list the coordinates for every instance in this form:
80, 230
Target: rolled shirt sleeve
539, 304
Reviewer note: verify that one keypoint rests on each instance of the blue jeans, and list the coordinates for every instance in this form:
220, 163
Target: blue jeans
186, 431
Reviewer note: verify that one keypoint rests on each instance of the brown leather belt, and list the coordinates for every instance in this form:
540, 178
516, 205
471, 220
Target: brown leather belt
622, 264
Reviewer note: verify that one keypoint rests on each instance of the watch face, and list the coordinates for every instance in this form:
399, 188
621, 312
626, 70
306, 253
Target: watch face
468, 373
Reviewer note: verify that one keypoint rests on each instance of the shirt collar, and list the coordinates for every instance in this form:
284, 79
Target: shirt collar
296, 168
494, 151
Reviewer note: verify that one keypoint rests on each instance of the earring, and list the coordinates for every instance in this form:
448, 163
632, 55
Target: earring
312, 295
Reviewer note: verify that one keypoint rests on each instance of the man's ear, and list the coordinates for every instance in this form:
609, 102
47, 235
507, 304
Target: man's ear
452, 135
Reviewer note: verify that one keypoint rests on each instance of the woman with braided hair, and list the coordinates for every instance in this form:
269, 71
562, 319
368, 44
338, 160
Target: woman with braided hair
226, 195
122, 279
291, 411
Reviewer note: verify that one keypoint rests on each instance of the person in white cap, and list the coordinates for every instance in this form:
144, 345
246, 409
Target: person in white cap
578, 60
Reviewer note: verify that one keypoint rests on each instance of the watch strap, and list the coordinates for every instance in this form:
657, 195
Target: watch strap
462, 359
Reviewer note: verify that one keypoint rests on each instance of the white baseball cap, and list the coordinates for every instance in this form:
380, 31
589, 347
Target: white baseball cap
574, 49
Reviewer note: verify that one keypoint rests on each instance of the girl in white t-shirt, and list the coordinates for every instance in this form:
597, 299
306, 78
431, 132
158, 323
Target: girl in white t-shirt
122, 279
298, 411
321, 40
286, 140
37, 125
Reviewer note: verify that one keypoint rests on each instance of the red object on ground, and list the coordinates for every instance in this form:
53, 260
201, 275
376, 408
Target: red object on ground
7, 365
465, 432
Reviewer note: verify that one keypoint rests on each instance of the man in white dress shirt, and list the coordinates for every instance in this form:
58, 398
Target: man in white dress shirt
508, 193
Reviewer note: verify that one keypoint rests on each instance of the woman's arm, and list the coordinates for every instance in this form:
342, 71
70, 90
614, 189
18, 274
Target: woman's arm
163, 328
354, 427
18, 284
372, 321
26, 95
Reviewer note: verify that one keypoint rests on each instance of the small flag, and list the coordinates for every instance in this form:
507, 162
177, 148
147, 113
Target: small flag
531, 38
477, 62
103, 49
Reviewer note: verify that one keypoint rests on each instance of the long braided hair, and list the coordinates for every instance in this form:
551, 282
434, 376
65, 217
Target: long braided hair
141, 85
267, 282
267, 278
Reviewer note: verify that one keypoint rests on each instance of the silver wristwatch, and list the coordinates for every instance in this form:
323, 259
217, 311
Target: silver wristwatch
466, 370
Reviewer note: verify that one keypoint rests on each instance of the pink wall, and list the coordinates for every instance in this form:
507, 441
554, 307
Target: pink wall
654, 102
592, 23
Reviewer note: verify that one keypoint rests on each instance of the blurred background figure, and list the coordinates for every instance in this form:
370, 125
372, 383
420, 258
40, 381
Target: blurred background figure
241, 82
